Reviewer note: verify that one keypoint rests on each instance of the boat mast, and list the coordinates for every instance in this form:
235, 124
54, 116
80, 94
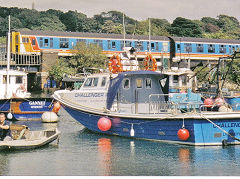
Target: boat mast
149, 34
8, 58
124, 33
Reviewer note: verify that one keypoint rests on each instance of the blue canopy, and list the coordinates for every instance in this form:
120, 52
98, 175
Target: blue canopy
115, 83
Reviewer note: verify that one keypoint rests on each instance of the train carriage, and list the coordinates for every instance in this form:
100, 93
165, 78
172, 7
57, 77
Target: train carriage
34, 42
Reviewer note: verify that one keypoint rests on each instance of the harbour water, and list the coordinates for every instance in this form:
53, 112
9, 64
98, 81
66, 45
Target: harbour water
81, 152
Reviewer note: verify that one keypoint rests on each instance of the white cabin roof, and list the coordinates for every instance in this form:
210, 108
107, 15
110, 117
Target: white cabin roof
13, 72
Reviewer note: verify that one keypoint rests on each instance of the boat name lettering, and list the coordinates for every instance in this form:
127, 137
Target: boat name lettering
95, 95
34, 103
232, 124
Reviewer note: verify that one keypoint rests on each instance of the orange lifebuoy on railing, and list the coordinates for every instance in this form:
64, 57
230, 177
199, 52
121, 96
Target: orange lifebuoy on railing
150, 63
114, 64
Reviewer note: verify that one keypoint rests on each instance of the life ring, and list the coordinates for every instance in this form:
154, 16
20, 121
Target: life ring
114, 64
147, 62
21, 92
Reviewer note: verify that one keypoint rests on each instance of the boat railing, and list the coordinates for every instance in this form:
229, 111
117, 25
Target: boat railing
158, 103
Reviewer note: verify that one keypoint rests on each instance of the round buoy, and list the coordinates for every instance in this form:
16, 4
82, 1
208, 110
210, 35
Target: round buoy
224, 109
104, 124
9, 116
56, 107
183, 134
219, 101
208, 102
49, 117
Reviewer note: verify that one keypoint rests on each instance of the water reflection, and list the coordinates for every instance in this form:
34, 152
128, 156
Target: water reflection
105, 153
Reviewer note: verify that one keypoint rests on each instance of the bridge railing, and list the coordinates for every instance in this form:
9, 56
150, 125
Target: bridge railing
17, 59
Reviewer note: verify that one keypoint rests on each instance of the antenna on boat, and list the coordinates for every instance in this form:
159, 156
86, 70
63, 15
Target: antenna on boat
8, 57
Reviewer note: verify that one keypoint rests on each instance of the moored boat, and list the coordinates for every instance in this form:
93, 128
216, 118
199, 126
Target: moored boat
149, 105
15, 100
27, 139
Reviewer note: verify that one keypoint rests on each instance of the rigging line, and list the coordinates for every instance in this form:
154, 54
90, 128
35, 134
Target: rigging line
220, 128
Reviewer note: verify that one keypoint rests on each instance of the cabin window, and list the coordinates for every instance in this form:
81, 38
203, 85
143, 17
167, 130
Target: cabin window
175, 79
126, 83
139, 83
188, 47
19, 79
222, 49
45, 42
64, 43
4, 79
199, 47
163, 82
211, 48
91, 82
104, 79
185, 79
148, 83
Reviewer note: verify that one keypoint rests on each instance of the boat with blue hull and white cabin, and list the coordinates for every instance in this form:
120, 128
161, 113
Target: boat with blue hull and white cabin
15, 101
149, 105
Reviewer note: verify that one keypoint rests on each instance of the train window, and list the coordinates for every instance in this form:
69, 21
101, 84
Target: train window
81, 40
109, 44
16, 39
51, 42
152, 45
199, 47
157, 46
98, 42
64, 43
222, 49
178, 47
33, 42
140, 45
25, 40
113, 44
41, 42
211, 48
230, 49
188, 47
45, 42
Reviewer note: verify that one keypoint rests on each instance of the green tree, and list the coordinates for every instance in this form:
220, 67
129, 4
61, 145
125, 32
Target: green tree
58, 70
87, 56
185, 28
49, 23
112, 28
70, 20
84, 56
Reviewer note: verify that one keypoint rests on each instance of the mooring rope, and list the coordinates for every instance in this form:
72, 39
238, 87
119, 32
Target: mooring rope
220, 128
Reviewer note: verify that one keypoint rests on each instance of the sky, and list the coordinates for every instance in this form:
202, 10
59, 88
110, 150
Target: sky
138, 9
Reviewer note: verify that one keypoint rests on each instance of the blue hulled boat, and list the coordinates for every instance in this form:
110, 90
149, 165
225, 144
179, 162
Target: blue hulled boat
150, 105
